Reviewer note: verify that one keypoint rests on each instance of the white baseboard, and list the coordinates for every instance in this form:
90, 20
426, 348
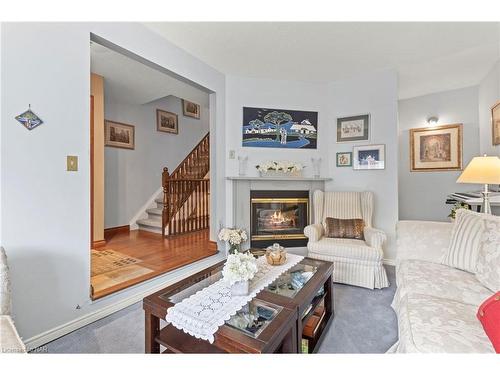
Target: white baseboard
164, 280
141, 213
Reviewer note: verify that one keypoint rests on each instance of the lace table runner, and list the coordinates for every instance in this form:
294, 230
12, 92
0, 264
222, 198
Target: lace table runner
201, 314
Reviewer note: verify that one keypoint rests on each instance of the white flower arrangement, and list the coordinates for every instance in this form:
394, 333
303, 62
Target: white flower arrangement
281, 166
234, 236
239, 267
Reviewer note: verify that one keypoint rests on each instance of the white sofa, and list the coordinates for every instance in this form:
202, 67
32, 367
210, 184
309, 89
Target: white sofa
436, 305
10, 342
356, 262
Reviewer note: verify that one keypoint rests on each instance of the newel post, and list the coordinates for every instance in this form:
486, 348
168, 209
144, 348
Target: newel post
165, 219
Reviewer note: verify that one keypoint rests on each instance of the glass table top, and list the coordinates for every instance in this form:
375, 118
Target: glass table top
253, 318
191, 288
293, 280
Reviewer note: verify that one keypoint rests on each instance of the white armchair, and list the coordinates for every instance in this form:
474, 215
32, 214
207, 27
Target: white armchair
356, 262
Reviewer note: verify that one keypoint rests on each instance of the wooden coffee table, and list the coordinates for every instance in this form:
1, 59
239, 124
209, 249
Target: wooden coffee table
281, 333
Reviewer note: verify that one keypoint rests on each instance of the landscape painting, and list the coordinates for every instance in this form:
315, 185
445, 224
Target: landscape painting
437, 148
167, 122
119, 135
279, 128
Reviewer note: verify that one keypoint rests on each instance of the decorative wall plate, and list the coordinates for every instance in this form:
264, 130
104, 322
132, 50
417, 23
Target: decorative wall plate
29, 119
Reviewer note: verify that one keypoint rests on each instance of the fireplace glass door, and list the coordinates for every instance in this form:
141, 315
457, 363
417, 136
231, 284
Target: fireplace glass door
278, 218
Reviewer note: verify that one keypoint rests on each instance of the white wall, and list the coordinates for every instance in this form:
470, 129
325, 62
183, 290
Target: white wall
489, 94
376, 94
133, 176
422, 195
252, 92
46, 210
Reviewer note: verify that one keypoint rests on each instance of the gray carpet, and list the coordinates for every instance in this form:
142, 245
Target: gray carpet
364, 323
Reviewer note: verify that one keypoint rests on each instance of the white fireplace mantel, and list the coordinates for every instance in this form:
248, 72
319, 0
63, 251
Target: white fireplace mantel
258, 178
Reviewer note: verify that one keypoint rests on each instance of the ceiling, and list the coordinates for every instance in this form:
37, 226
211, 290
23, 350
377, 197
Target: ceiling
131, 82
429, 57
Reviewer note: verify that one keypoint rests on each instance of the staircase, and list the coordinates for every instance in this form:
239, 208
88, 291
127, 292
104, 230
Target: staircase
183, 205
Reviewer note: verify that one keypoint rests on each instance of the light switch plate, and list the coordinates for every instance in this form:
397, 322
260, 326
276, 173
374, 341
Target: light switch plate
72, 163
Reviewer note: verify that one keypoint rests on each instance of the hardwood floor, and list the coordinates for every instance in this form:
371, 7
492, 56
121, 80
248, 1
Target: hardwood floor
155, 256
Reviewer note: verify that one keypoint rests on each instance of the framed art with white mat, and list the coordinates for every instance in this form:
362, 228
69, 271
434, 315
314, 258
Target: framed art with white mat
437, 148
368, 157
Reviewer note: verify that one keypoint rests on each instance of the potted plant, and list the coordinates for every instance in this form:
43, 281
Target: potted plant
239, 269
234, 237
457, 206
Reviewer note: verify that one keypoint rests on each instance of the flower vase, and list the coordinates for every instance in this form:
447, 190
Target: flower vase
242, 165
240, 288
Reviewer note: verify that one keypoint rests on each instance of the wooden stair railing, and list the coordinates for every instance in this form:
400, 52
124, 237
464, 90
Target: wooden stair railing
186, 193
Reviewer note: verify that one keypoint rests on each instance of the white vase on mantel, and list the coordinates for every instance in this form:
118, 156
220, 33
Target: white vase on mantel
240, 288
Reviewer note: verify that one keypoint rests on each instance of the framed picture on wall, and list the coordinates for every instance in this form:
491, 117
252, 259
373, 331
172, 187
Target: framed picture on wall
119, 135
495, 124
344, 159
368, 157
190, 109
167, 122
436, 149
279, 128
353, 128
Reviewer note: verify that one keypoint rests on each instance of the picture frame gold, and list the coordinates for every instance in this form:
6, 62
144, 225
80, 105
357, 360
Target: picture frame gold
495, 124
437, 148
167, 122
191, 109
119, 135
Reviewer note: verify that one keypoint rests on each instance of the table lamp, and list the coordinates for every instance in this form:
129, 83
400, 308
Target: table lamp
482, 170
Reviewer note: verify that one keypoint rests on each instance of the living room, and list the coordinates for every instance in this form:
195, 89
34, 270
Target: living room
350, 158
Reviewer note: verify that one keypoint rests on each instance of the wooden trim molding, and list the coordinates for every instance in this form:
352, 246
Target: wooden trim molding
97, 244
115, 230
212, 245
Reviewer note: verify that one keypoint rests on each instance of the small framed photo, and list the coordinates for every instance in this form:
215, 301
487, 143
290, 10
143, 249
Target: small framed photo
495, 124
344, 159
435, 149
167, 122
369, 157
119, 135
190, 109
353, 128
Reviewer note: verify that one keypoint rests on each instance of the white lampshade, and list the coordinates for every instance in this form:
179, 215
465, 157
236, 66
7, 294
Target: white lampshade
482, 170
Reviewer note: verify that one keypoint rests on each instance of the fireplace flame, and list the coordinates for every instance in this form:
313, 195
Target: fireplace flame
277, 217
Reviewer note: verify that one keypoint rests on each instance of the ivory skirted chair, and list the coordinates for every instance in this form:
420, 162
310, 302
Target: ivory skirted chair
356, 262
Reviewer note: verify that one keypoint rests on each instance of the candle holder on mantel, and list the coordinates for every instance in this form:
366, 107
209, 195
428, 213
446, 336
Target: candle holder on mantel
316, 163
242, 165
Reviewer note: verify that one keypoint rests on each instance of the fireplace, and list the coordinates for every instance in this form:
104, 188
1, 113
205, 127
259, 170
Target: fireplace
278, 216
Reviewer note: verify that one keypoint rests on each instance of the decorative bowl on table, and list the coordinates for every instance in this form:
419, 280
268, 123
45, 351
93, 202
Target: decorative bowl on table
276, 255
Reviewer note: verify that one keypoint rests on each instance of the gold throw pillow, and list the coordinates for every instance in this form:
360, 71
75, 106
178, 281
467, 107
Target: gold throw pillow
345, 228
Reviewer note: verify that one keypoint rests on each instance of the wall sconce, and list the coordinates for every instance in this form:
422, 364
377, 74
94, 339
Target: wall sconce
433, 120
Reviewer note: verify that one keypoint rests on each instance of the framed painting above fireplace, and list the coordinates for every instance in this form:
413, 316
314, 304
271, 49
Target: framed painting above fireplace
278, 216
